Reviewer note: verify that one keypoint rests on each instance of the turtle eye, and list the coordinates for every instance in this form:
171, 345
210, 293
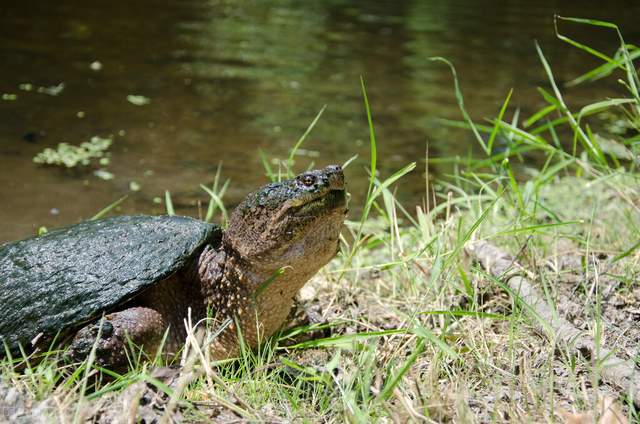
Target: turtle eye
308, 180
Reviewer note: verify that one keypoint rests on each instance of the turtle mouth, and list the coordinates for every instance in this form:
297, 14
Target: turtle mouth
337, 199
332, 200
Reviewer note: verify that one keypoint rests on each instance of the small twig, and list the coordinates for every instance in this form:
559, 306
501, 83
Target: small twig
133, 407
521, 251
614, 370
422, 269
87, 371
408, 407
185, 378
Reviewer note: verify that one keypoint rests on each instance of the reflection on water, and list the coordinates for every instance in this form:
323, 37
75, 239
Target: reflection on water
228, 78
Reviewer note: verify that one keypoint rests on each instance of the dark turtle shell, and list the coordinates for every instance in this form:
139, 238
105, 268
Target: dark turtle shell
68, 276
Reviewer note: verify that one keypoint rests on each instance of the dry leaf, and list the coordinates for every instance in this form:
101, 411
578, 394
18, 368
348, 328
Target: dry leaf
608, 411
611, 412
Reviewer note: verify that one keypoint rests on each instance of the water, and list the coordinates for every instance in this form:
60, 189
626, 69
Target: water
226, 79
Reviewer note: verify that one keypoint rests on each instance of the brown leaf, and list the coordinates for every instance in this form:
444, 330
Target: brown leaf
569, 418
608, 411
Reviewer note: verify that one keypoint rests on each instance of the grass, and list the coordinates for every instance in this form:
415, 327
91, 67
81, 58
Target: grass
410, 328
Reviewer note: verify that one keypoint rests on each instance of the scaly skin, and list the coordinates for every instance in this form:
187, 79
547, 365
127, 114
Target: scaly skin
292, 226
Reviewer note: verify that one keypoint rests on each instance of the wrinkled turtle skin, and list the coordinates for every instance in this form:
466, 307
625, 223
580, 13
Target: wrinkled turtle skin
131, 279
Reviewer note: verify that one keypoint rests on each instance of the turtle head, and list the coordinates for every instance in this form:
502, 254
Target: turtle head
291, 223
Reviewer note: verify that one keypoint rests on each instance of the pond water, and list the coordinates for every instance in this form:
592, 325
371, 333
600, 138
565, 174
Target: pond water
226, 79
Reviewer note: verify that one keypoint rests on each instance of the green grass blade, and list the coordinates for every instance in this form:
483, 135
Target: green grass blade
406, 366
267, 166
460, 100
603, 70
593, 22
345, 341
632, 75
168, 203
602, 105
494, 132
348, 161
425, 333
539, 115
626, 252
452, 123
588, 145
372, 138
216, 202
108, 208
301, 140
534, 228
392, 179
463, 313
515, 187
578, 45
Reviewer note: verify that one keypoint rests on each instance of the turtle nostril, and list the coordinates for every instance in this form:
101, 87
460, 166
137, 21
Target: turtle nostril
336, 177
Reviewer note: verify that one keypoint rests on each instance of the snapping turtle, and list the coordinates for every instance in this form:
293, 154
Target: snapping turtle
142, 273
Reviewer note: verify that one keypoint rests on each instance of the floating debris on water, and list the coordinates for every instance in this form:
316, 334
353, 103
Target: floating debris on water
53, 90
95, 65
68, 155
103, 174
9, 97
138, 100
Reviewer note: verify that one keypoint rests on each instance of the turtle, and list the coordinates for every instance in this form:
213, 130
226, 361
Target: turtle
136, 279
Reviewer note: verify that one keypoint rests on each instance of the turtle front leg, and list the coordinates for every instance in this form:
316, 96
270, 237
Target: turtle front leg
144, 327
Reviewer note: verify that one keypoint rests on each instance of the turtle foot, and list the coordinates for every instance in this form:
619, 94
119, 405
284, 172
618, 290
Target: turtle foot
118, 335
